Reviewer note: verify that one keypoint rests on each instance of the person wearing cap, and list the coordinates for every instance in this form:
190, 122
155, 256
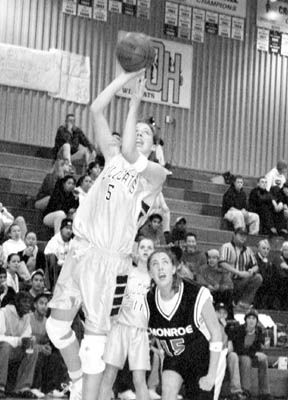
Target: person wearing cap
178, 234
37, 285
235, 208
277, 173
240, 261
56, 251
193, 258
153, 230
248, 342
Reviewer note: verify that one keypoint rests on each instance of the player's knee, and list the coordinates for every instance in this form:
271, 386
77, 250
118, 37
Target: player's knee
91, 354
169, 391
60, 332
139, 379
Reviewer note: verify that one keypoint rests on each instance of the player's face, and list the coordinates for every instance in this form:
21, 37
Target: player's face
162, 270
15, 232
264, 250
41, 306
144, 139
145, 249
31, 239
38, 283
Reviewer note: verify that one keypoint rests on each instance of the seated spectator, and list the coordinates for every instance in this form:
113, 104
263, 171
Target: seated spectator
178, 235
59, 170
71, 144
239, 260
277, 173
160, 207
280, 277
248, 341
56, 251
31, 255
7, 219
95, 167
7, 294
192, 257
37, 285
278, 201
14, 244
62, 203
152, 229
13, 266
82, 188
16, 344
260, 202
267, 293
217, 280
234, 208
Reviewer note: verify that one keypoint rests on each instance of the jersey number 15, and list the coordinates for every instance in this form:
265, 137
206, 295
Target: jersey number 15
177, 347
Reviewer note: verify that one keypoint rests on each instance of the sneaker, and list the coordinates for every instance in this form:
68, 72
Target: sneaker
179, 397
76, 390
127, 395
57, 393
153, 394
37, 393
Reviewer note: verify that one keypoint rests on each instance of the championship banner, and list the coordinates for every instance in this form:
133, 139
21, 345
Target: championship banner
85, 8
235, 8
69, 7
27, 68
169, 79
100, 10
143, 9
273, 15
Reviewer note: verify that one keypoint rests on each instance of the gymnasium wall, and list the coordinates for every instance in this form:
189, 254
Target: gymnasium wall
238, 113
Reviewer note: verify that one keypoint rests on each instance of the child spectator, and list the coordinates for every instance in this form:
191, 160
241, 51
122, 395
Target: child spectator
83, 185
7, 219
95, 167
234, 208
59, 170
31, 255
153, 230
218, 281
178, 235
277, 173
62, 203
14, 244
15, 340
7, 294
192, 257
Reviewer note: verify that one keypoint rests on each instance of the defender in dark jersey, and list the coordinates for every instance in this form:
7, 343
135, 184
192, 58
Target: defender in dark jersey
182, 318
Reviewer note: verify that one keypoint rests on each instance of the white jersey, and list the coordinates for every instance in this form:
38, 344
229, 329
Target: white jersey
114, 207
133, 311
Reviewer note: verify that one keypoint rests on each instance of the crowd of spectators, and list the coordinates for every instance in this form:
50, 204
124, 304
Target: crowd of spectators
237, 275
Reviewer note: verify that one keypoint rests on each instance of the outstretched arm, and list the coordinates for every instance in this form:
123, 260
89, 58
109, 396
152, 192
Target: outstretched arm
100, 124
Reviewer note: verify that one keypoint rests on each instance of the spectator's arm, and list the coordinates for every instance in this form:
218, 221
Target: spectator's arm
14, 341
85, 141
230, 346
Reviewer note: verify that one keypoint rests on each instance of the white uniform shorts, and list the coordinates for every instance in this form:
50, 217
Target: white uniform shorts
127, 341
88, 278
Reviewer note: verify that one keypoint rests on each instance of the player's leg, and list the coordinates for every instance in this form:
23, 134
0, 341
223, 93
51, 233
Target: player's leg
139, 380
108, 379
139, 360
171, 384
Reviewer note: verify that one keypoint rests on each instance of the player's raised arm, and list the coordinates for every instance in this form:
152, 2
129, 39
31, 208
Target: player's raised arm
98, 107
137, 141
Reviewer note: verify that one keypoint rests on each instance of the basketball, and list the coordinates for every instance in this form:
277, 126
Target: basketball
135, 51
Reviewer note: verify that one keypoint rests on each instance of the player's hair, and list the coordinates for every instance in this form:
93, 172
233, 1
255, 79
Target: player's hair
12, 255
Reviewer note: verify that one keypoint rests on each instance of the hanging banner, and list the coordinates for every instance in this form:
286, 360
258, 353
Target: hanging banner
224, 26
75, 77
171, 19
69, 7
169, 80
115, 6
273, 15
284, 45
85, 8
211, 23
27, 68
129, 7
100, 10
198, 25
143, 9
274, 42
184, 22
235, 8
262, 39
237, 28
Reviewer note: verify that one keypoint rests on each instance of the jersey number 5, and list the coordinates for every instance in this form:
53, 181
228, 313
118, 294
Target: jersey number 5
109, 191
177, 345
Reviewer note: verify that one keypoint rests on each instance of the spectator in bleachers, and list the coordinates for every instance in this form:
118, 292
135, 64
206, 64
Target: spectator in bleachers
14, 244
7, 219
37, 285
178, 235
31, 255
15, 340
277, 173
84, 183
160, 207
59, 170
248, 341
13, 264
71, 144
95, 167
7, 294
280, 276
153, 230
267, 293
217, 280
56, 251
239, 260
278, 201
62, 203
234, 208
192, 256
260, 202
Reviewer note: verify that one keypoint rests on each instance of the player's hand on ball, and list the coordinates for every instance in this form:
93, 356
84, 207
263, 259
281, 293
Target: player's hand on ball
206, 383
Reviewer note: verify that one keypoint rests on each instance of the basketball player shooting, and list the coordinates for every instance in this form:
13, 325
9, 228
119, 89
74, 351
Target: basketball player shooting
105, 226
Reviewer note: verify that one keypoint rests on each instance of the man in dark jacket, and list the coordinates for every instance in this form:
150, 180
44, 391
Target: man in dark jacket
248, 341
71, 143
234, 208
